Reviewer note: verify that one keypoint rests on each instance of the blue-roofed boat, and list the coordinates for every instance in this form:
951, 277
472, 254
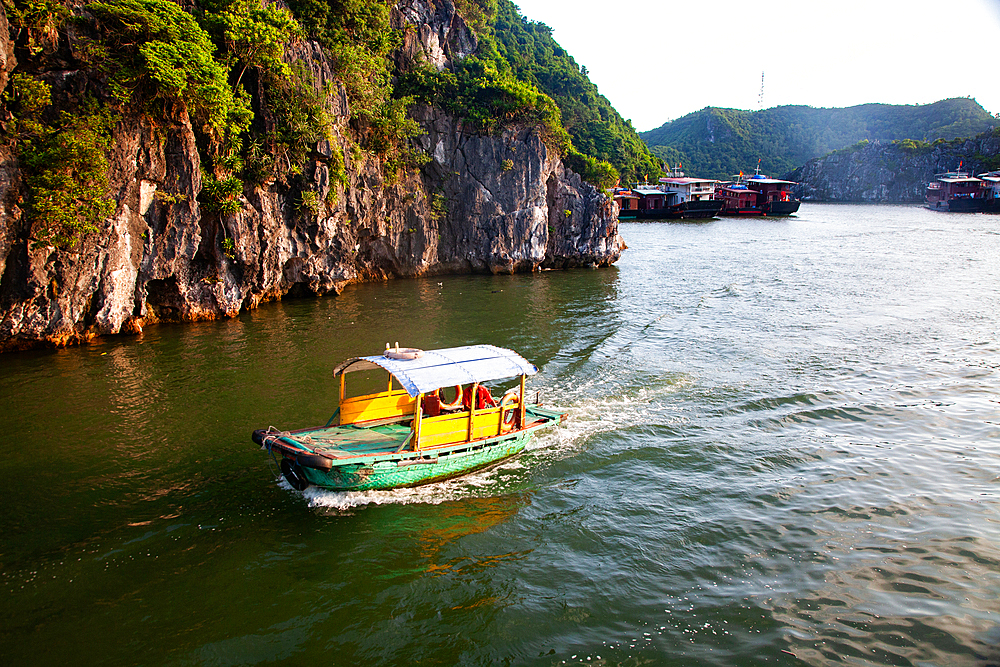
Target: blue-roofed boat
436, 419
737, 198
756, 195
774, 196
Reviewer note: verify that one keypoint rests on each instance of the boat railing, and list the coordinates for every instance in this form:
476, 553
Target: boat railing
452, 428
382, 405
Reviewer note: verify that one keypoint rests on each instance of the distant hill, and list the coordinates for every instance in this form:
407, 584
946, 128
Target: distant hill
896, 171
716, 143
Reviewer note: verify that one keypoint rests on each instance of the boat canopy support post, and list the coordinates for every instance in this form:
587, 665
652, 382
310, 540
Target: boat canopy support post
472, 410
522, 402
416, 422
343, 387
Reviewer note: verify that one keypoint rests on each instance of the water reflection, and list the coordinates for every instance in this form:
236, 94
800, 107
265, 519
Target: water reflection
468, 517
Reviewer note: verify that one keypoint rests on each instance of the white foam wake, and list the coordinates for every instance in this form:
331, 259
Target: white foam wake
592, 407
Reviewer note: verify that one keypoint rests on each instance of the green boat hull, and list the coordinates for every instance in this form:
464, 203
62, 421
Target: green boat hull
407, 472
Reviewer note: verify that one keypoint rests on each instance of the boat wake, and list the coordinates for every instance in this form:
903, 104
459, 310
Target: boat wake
492, 481
592, 409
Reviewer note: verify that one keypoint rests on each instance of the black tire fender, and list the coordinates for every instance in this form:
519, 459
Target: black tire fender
293, 475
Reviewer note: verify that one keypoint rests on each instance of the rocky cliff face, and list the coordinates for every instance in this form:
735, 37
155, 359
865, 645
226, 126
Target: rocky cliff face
891, 172
502, 203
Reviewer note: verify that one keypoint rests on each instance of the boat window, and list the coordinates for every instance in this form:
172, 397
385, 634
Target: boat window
363, 383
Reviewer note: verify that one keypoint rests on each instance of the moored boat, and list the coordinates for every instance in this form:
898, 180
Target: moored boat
737, 199
628, 203
955, 192
773, 195
641, 201
688, 197
674, 197
411, 434
991, 191
756, 195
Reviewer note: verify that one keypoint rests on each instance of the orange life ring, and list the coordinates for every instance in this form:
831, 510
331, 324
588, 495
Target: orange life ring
454, 404
510, 414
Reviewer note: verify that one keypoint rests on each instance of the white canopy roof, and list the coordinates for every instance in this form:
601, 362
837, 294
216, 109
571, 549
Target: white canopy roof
446, 368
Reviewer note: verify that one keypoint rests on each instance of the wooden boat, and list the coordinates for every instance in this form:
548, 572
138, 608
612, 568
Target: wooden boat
991, 191
674, 197
756, 195
411, 433
955, 192
737, 198
774, 196
690, 198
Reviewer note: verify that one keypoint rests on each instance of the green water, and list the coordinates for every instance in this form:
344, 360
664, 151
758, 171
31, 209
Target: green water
782, 449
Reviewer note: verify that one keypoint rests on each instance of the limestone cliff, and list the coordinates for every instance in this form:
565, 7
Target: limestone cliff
496, 203
891, 172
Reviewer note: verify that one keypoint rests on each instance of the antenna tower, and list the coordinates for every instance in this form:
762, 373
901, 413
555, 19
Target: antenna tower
760, 98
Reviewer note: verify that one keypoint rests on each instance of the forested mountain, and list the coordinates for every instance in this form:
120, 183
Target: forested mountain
597, 129
716, 143
520, 58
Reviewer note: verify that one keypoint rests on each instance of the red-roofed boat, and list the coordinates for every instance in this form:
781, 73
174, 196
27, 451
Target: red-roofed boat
955, 192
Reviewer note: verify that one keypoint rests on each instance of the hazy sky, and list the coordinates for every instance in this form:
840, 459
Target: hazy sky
656, 60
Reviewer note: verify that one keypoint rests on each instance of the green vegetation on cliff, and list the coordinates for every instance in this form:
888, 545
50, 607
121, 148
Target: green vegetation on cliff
359, 39
598, 131
716, 143
255, 114
518, 74
159, 53
521, 74
150, 57
65, 167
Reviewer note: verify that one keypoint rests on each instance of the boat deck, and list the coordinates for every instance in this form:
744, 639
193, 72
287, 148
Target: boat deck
384, 439
345, 442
